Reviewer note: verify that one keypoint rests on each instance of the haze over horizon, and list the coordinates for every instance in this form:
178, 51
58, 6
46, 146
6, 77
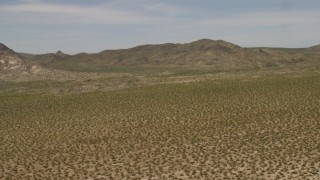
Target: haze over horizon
74, 26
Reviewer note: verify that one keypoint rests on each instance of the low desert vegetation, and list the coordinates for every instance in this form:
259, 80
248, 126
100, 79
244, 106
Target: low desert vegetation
265, 128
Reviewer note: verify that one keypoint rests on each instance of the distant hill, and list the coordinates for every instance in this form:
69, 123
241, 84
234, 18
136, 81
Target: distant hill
5, 49
317, 47
10, 61
17, 65
216, 54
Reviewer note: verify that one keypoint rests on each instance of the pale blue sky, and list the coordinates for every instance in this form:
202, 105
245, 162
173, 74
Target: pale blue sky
73, 26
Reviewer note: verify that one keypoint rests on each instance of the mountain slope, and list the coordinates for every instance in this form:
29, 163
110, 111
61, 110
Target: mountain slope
10, 61
202, 53
14, 66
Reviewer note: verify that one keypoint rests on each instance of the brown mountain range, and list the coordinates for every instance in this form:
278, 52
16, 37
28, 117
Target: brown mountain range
202, 53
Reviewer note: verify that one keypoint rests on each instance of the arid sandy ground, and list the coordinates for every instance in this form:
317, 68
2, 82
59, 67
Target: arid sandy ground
265, 128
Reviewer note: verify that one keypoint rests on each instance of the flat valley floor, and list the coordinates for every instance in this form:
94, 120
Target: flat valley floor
264, 128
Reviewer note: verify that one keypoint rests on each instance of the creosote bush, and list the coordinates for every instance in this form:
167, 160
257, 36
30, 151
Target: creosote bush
261, 129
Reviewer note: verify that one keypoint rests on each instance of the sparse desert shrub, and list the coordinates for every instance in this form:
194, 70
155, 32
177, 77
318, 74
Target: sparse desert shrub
258, 125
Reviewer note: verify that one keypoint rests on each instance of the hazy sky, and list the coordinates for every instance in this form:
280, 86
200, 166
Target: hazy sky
73, 26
